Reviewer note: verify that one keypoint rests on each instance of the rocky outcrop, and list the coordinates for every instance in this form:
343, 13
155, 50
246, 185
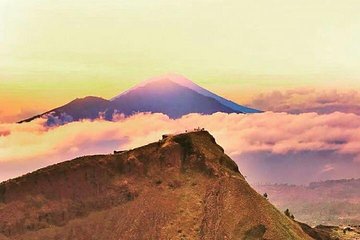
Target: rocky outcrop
181, 187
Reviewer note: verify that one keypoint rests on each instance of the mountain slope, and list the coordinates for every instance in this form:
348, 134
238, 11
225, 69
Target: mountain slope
182, 81
164, 96
174, 96
78, 109
182, 187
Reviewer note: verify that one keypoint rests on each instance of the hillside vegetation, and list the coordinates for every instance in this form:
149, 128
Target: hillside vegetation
182, 187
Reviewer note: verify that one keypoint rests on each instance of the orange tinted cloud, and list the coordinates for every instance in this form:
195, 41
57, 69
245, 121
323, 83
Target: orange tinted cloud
308, 100
26, 147
15, 113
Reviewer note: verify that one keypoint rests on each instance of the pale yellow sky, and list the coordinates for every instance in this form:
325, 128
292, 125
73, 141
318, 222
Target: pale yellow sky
52, 51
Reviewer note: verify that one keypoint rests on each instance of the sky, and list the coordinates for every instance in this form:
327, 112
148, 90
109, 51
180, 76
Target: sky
54, 51
299, 61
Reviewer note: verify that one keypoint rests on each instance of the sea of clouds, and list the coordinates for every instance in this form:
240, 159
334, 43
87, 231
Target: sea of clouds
268, 147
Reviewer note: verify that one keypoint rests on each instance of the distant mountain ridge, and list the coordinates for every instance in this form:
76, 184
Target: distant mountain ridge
172, 95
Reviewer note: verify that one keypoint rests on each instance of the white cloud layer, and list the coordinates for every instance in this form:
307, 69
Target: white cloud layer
26, 147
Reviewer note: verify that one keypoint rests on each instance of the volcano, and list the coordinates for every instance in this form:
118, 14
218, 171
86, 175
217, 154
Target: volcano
172, 95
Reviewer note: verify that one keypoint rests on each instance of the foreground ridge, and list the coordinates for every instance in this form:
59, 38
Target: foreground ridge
181, 187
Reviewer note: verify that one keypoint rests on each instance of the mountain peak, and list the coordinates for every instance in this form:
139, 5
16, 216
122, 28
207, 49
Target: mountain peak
187, 83
175, 78
178, 184
172, 94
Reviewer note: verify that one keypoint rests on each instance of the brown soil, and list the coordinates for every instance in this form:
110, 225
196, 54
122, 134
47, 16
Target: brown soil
183, 187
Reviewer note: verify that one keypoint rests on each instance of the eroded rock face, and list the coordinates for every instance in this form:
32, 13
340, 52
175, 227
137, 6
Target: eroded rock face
182, 187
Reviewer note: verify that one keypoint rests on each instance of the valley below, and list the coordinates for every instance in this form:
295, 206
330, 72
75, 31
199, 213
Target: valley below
332, 202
